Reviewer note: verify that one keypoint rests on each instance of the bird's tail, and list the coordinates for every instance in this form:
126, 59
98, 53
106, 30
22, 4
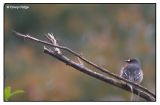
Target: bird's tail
132, 95
131, 87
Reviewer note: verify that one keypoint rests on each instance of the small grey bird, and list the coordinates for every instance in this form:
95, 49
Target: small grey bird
132, 71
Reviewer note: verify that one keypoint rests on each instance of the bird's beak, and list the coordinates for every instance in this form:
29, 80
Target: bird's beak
127, 60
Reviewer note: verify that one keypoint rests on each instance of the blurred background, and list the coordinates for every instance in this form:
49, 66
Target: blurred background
106, 34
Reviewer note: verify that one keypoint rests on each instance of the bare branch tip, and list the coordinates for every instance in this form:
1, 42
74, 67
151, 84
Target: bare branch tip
80, 62
18, 34
44, 47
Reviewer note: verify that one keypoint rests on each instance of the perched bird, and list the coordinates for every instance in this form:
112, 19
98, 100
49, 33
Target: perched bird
132, 71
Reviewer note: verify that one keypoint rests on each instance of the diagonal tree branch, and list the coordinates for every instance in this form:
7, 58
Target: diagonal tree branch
78, 55
99, 76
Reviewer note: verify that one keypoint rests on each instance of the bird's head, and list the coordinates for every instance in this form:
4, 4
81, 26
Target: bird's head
132, 60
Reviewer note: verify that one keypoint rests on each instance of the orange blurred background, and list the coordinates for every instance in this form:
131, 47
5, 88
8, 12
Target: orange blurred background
106, 34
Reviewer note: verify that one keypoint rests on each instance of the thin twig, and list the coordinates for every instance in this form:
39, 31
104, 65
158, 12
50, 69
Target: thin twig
84, 59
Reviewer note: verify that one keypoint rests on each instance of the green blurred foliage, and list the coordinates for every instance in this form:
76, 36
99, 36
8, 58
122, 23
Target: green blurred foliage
104, 33
8, 93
